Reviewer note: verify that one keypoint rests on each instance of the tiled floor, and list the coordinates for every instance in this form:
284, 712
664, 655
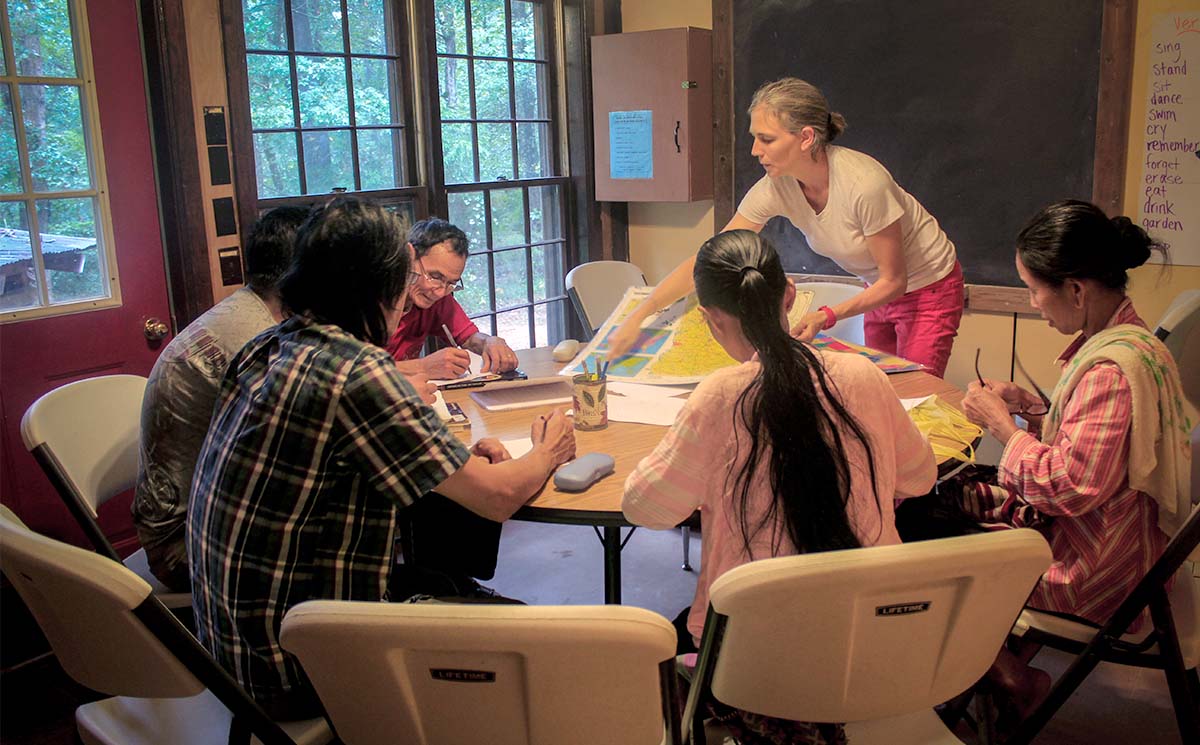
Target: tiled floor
547, 564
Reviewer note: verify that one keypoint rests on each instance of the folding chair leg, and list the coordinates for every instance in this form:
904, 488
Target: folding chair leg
1183, 696
1083, 665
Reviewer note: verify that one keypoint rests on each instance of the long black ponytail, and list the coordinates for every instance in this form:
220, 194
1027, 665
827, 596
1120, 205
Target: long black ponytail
791, 409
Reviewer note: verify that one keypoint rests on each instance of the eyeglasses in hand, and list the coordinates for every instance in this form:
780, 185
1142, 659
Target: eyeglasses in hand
1034, 410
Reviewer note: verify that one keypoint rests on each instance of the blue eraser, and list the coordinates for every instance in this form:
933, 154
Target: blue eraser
584, 471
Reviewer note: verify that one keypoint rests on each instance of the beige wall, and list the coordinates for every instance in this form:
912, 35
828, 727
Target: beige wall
660, 235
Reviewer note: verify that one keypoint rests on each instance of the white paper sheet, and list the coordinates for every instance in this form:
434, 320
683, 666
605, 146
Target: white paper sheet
517, 446
647, 392
639, 411
912, 403
503, 398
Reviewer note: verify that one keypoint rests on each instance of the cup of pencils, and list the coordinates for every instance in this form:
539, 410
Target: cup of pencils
590, 396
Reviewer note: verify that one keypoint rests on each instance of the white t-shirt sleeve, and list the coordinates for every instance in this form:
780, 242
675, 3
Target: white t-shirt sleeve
876, 204
761, 203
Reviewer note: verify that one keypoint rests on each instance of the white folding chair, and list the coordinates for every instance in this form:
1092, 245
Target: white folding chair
873, 636
84, 435
1171, 644
832, 293
448, 674
1179, 330
595, 288
111, 635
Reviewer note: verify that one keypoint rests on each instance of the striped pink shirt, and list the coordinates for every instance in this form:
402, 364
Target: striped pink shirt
689, 469
1104, 535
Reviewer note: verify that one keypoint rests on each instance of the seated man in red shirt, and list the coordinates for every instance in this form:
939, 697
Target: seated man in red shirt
440, 251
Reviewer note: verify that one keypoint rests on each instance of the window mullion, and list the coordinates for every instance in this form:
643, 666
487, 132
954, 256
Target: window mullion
295, 78
471, 86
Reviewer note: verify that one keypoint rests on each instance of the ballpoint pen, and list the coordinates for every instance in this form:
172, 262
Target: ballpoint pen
450, 336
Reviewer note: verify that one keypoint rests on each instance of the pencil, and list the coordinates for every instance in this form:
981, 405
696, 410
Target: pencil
449, 336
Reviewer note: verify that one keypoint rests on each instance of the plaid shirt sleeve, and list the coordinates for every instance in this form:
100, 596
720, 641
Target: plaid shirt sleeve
391, 434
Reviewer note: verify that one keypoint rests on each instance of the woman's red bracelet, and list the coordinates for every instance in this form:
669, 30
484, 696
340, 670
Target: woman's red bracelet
830, 317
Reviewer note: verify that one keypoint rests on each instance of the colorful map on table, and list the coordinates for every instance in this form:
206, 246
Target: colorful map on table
674, 346
889, 363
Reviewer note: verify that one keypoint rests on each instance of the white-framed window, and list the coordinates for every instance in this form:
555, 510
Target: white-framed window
56, 247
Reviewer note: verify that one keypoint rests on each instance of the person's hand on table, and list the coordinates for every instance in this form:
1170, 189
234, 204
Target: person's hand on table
986, 408
554, 432
447, 363
426, 390
498, 356
809, 325
492, 449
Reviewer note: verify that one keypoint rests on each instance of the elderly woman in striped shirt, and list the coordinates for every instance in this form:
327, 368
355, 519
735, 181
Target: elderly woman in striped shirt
1107, 476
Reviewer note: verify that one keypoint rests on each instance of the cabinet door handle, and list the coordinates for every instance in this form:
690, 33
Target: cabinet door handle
677, 137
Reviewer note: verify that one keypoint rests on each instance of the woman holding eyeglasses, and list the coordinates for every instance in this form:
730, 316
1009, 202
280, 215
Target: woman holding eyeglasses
440, 256
1105, 469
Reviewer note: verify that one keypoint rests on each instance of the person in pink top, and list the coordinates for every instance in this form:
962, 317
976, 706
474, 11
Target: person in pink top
1105, 469
440, 253
793, 451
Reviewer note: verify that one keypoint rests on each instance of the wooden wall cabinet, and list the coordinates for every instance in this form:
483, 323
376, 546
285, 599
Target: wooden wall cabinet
652, 106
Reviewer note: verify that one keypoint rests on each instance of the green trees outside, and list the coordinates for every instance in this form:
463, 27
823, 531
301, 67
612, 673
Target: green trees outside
52, 116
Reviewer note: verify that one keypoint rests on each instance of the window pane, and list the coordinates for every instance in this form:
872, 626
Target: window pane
67, 228
533, 155
466, 212
317, 25
474, 297
276, 164
18, 288
10, 166
495, 152
270, 84
489, 33
42, 41
264, 24
492, 99
323, 101
454, 87
451, 26
550, 323
528, 79
524, 30
370, 27
548, 271
511, 276
379, 158
376, 93
545, 217
58, 154
513, 327
458, 156
327, 162
508, 217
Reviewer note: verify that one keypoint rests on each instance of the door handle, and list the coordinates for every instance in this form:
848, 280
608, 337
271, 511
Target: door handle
155, 330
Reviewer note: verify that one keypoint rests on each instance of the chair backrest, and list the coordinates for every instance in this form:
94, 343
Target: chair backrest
596, 287
869, 633
84, 603
832, 293
443, 674
1179, 329
89, 429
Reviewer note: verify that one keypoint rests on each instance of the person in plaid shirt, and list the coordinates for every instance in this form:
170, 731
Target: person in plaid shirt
317, 440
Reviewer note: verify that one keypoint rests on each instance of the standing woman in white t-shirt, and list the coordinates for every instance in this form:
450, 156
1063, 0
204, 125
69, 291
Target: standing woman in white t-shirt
851, 210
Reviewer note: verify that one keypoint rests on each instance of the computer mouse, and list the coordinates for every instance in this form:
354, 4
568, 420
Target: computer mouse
565, 350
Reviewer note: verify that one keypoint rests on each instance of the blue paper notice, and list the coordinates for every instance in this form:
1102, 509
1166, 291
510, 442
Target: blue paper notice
630, 152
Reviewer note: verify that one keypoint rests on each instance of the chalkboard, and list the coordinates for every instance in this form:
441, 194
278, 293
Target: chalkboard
985, 111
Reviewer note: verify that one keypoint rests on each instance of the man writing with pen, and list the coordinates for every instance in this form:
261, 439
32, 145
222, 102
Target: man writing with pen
440, 256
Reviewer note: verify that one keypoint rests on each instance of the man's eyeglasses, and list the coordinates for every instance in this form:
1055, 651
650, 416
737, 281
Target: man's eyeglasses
1036, 409
437, 283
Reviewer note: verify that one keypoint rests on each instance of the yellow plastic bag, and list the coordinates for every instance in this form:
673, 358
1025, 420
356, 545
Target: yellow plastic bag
950, 433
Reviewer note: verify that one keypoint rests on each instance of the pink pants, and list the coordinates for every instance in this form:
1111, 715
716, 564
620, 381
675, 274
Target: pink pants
921, 325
